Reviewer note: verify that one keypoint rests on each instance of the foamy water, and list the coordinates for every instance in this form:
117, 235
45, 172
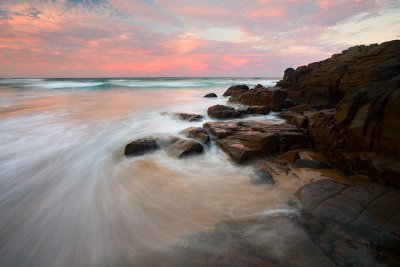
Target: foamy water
68, 196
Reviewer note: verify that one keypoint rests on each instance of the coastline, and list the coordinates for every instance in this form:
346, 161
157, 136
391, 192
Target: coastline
343, 110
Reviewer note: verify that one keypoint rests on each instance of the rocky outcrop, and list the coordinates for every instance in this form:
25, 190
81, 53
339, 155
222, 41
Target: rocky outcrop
272, 98
235, 90
358, 225
247, 140
188, 117
324, 83
360, 133
210, 95
222, 112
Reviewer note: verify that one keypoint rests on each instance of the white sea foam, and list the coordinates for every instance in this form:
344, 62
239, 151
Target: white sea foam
68, 196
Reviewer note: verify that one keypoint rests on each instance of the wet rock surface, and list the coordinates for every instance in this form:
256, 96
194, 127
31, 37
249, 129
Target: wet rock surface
235, 90
210, 95
184, 148
355, 224
271, 98
196, 133
188, 117
247, 140
141, 146
222, 112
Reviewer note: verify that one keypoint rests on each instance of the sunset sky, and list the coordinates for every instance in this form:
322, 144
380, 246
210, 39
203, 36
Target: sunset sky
127, 38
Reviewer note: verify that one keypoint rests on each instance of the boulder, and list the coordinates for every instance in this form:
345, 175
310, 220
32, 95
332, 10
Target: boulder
188, 117
261, 176
236, 90
141, 146
271, 98
210, 95
222, 112
246, 140
184, 148
197, 133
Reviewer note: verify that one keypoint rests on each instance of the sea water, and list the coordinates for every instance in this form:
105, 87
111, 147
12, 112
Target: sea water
68, 195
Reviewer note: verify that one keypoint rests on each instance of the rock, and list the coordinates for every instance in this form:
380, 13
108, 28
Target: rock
294, 118
389, 141
288, 103
312, 155
271, 98
300, 108
188, 117
287, 157
261, 110
363, 215
184, 148
311, 164
285, 242
236, 89
197, 133
222, 112
261, 176
140, 146
246, 140
210, 95
392, 173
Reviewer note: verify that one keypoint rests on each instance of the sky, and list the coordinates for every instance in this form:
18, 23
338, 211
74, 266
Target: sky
176, 38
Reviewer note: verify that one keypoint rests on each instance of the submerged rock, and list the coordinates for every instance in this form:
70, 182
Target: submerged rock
197, 133
210, 95
141, 146
184, 148
188, 117
222, 112
262, 176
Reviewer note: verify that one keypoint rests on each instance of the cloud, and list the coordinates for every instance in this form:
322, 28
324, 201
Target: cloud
193, 38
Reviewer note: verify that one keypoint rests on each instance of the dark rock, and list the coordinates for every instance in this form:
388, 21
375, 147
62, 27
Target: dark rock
210, 95
141, 146
247, 140
294, 118
197, 133
300, 108
184, 148
288, 103
311, 164
236, 89
287, 157
261, 110
188, 117
261, 176
389, 141
364, 215
271, 98
392, 173
222, 112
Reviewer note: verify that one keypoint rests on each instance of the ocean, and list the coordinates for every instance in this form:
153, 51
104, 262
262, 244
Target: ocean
68, 195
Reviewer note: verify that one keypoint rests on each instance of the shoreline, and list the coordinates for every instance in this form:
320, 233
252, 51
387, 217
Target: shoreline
350, 120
